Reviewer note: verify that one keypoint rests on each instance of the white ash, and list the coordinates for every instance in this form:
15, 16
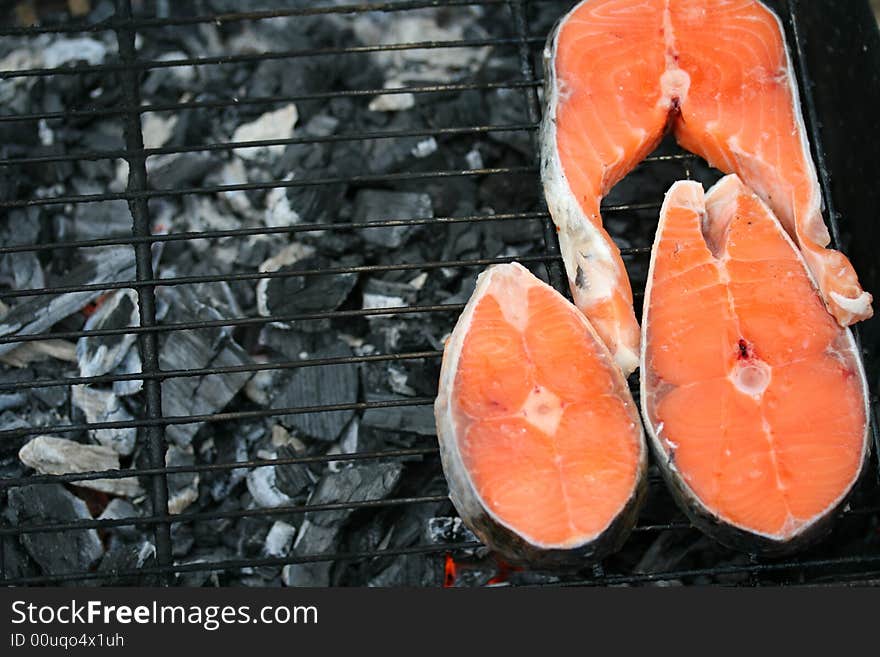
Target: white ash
47, 136
234, 173
431, 65
278, 210
104, 406
425, 148
64, 51
157, 128
263, 488
183, 487
279, 539
59, 456
474, 159
131, 364
278, 124
396, 102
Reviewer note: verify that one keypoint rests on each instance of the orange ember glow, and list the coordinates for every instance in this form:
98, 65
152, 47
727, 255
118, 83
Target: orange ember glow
449, 572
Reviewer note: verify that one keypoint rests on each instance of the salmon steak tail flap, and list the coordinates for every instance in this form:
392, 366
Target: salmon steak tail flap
754, 397
619, 74
541, 442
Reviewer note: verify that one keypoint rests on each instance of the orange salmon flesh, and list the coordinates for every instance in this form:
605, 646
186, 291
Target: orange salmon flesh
537, 426
753, 395
620, 73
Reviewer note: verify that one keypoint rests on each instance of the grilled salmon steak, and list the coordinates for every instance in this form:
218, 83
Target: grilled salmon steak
753, 395
540, 439
619, 74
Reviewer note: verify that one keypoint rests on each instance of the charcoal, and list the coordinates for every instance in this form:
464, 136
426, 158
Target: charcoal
101, 354
313, 386
448, 530
405, 419
378, 205
230, 447
39, 313
262, 485
249, 537
10, 401
100, 405
51, 396
178, 170
384, 156
197, 349
55, 552
58, 456
127, 559
380, 293
202, 577
117, 509
16, 561
99, 220
183, 487
293, 295
291, 479
21, 270
182, 540
409, 570
319, 532
508, 107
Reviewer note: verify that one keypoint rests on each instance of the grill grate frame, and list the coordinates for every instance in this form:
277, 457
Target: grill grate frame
137, 194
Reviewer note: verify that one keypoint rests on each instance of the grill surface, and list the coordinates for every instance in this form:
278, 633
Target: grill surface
828, 562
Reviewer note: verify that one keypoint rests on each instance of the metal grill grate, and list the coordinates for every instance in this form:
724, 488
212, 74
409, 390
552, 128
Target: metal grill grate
824, 564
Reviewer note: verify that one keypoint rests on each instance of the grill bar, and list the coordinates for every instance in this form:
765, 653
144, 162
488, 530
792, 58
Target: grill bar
241, 102
261, 57
215, 417
867, 561
141, 23
254, 276
148, 343
135, 194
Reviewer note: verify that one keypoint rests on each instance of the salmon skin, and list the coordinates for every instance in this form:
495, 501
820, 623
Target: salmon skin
540, 439
618, 75
754, 398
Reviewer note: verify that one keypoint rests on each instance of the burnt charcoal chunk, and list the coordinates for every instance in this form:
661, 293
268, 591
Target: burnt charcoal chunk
320, 530
56, 552
16, 561
197, 349
313, 386
39, 313
97, 220
21, 270
297, 295
180, 170
99, 355
126, 560
405, 419
382, 205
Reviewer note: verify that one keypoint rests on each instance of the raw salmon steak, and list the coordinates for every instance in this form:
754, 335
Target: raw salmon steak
540, 440
754, 397
618, 75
